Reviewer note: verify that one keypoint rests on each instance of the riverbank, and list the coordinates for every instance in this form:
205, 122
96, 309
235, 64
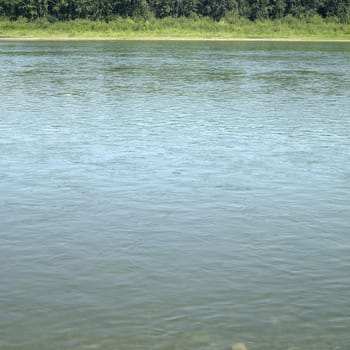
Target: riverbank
161, 38
312, 29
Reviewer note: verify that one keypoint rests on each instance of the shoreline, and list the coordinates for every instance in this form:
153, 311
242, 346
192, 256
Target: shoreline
313, 29
164, 38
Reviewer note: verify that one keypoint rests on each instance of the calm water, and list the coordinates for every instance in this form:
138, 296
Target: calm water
174, 195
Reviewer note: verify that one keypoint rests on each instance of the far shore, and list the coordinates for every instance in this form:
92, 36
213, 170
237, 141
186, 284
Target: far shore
313, 29
161, 38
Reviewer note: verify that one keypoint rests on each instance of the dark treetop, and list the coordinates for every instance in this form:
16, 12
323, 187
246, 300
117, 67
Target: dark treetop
54, 10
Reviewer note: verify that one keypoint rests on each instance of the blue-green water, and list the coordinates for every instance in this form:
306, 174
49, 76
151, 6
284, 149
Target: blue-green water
174, 195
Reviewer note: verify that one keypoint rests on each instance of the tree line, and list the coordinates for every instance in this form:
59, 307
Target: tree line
63, 10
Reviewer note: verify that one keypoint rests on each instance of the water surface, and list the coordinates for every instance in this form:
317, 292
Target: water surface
181, 195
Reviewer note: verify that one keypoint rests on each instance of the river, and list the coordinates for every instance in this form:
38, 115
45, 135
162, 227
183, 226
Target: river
174, 195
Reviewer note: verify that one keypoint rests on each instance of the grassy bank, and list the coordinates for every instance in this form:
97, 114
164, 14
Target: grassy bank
314, 28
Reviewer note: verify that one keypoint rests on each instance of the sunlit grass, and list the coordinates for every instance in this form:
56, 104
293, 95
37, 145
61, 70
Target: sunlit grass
230, 28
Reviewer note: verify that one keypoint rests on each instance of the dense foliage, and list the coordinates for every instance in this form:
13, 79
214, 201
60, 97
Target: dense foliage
54, 10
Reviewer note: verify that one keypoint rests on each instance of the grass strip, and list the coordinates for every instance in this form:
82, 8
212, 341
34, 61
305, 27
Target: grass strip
314, 28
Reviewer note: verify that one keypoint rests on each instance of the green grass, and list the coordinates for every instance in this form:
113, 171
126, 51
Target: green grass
314, 28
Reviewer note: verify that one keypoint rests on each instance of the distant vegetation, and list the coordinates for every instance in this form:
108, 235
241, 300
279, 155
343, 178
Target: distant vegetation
299, 19
216, 10
312, 28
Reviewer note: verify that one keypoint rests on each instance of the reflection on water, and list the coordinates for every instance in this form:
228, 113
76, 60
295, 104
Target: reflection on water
174, 195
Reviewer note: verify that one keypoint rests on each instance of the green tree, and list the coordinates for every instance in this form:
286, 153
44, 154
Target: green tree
216, 9
33, 9
10, 8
